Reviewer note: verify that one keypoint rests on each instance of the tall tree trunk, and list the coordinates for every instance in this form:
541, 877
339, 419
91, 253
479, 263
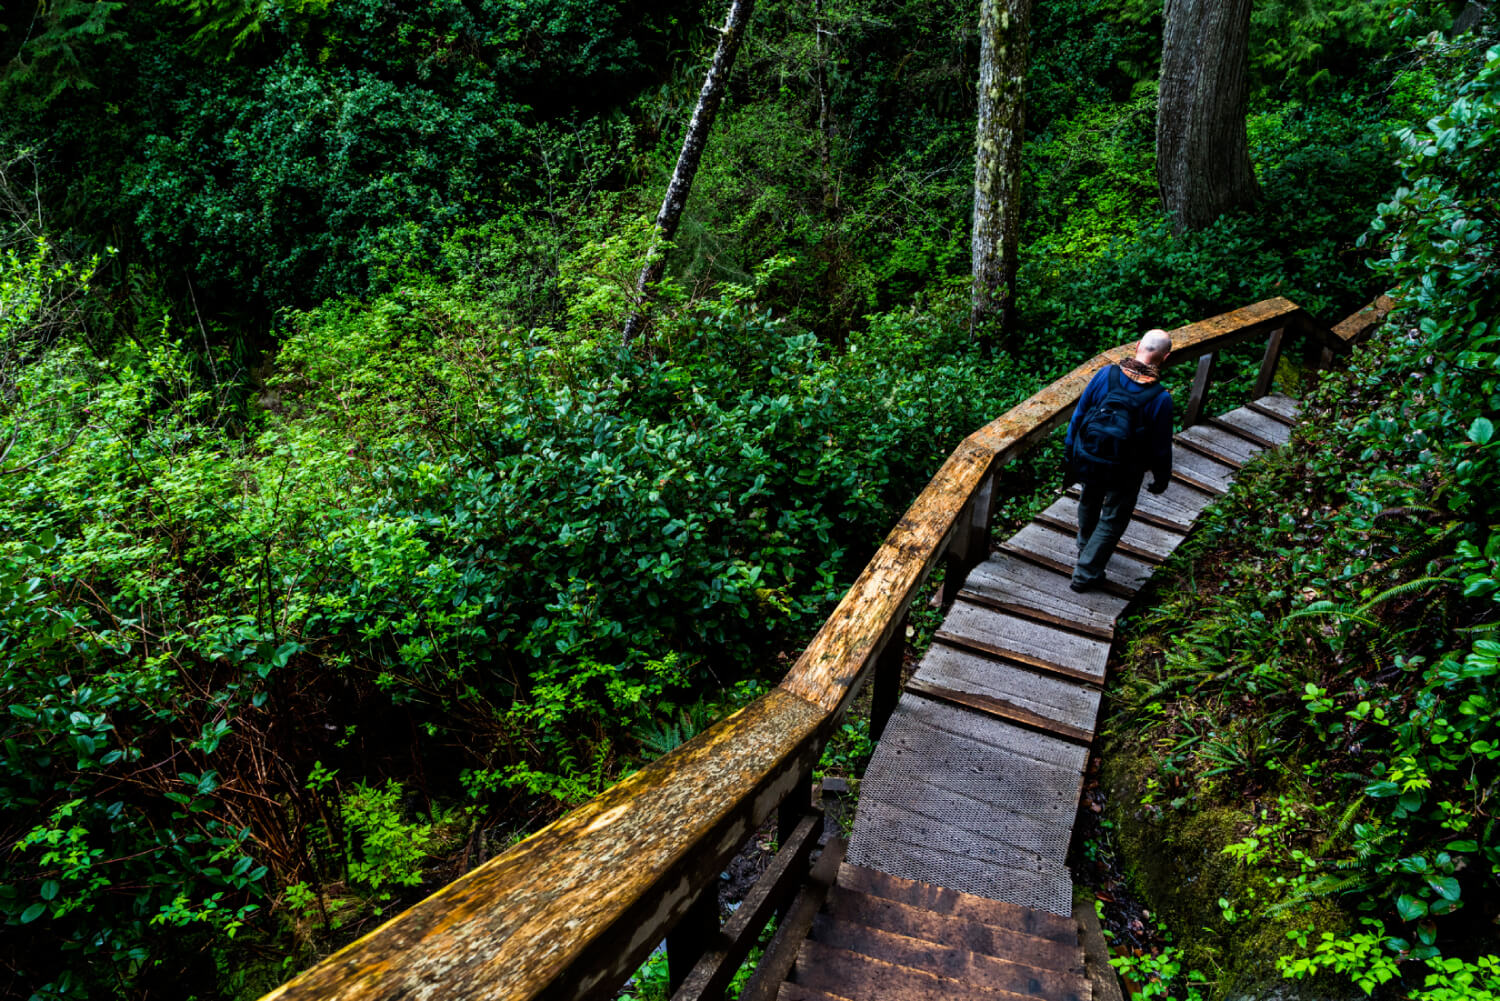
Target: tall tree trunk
1003, 26
825, 108
687, 160
1202, 150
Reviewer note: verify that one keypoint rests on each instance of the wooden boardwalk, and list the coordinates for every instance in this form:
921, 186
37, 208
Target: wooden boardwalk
955, 882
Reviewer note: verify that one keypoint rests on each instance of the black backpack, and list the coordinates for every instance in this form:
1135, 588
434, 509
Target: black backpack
1112, 436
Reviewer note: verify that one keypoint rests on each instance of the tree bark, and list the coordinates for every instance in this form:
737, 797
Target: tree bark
825, 109
1003, 27
1202, 150
670, 214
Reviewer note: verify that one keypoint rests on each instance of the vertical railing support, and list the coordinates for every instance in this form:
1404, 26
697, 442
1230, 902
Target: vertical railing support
885, 690
1198, 398
692, 936
1268, 363
971, 543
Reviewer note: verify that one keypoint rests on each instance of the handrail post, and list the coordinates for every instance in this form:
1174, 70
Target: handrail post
1268, 363
971, 543
885, 690
692, 936
1198, 398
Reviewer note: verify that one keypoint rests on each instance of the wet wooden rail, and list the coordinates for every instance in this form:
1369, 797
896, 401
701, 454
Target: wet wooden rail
574, 909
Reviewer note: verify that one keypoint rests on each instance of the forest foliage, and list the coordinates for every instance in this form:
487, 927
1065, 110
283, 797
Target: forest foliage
340, 541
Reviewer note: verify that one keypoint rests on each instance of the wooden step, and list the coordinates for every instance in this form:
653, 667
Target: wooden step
943, 901
1200, 471
1282, 408
1023, 588
1035, 644
1046, 546
830, 969
960, 932
1144, 541
1219, 444
1248, 421
966, 966
1177, 508
1061, 702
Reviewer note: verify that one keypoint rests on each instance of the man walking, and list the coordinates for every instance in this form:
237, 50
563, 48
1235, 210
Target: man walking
1121, 427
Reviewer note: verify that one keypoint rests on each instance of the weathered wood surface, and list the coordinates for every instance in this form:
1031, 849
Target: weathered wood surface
941, 900
1265, 429
781, 952
1277, 405
1046, 546
1198, 470
1001, 709
1023, 588
874, 911
1176, 509
1245, 431
1141, 539
1358, 326
782, 879
538, 917
964, 965
1005, 838
1023, 640
1219, 444
855, 975
1071, 703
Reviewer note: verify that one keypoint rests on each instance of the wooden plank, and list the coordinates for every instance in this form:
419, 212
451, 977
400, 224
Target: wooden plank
1001, 709
1266, 429
546, 918
950, 903
1177, 508
1144, 541
782, 878
780, 955
1197, 470
1279, 405
945, 960
950, 820
1268, 362
1023, 640
1046, 546
1199, 393
1024, 588
1001, 941
1069, 702
1243, 432
1357, 326
1104, 984
1219, 444
826, 968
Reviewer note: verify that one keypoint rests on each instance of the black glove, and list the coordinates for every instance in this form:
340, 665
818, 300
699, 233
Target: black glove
1158, 485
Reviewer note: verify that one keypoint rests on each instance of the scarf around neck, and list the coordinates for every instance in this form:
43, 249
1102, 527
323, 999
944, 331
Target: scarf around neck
1139, 371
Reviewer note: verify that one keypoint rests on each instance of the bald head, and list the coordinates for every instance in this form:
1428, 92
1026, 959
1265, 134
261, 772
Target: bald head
1154, 347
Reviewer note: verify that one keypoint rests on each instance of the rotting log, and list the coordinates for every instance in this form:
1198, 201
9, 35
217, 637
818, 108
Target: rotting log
571, 911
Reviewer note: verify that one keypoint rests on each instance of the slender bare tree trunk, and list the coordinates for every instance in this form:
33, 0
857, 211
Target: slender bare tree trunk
1202, 150
1003, 26
825, 109
709, 97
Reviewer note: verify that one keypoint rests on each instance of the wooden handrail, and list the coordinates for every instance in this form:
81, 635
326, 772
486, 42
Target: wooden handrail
571, 911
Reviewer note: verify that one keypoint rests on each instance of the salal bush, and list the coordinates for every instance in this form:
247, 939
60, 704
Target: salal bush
437, 550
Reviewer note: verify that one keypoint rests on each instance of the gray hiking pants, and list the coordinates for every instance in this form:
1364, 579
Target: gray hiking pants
1103, 514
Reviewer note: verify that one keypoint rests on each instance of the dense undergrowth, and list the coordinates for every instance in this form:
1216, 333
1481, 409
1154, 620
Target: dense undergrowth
1307, 718
340, 543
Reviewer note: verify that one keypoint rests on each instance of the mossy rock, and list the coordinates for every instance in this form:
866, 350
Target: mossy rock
1176, 864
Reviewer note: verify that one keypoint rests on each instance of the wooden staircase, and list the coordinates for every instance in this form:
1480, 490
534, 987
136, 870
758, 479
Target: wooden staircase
883, 936
956, 883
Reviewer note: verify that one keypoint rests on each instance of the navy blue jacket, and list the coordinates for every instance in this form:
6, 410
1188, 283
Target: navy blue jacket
1157, 417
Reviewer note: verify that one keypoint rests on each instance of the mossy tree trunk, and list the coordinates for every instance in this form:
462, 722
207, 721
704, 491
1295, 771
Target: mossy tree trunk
1003, 26
1202, 150
693, 143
